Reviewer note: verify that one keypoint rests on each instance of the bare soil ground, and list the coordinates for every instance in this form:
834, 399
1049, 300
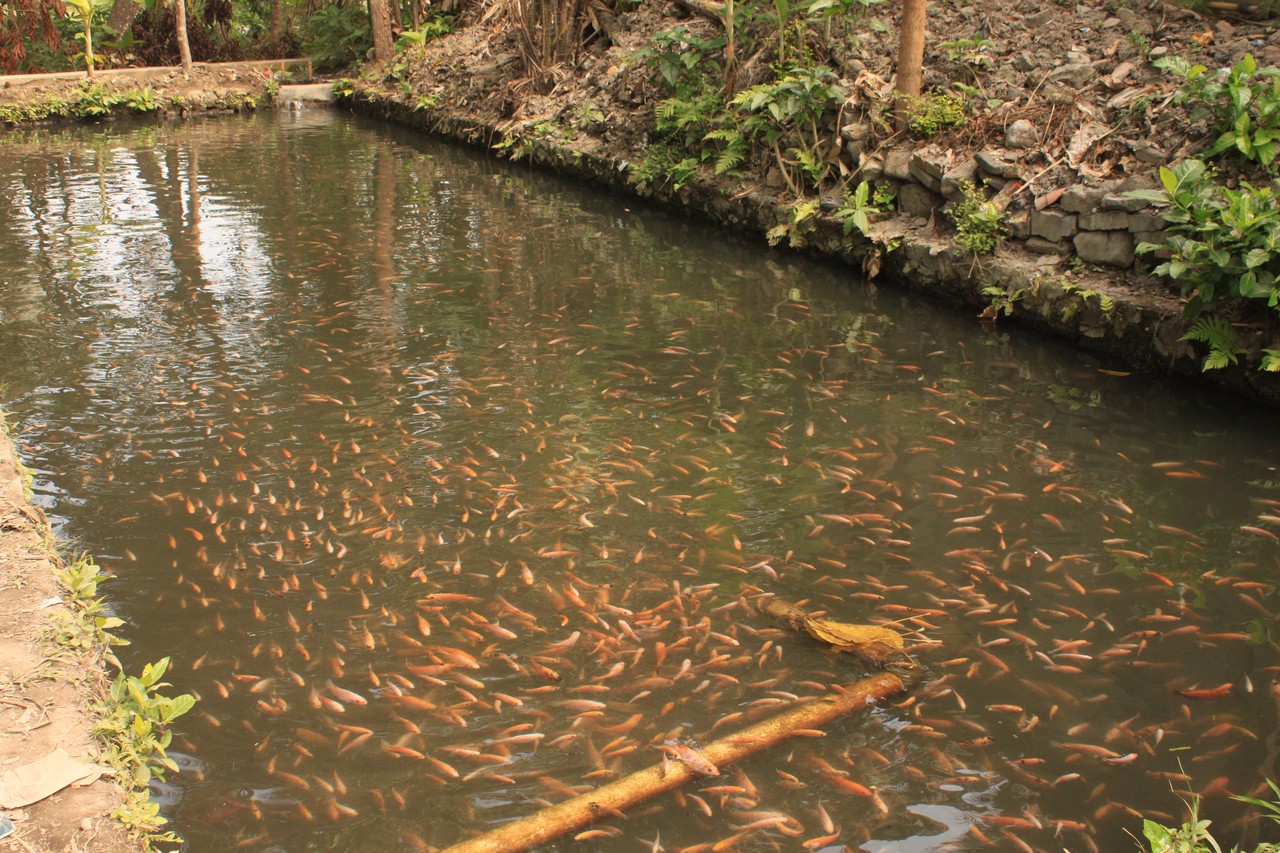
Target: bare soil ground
1060, 65
44, 697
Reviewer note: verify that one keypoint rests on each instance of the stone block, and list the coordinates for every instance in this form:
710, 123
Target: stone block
897, 164
1119, 201
998, 163
928, 167
1148, 152
953, 178
856, 137
915, 200
1107, 220
1157, 237
1078, 198
1145, 221
1041, 246
1018, 224
1075, 75
1053, 225
856, 132
1106, 248
871, 168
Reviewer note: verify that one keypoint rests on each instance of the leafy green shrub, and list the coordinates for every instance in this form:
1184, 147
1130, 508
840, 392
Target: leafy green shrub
94, 100
337, 35
1224, 243
135, 723
142, 100
931, 114
431, 29
45, 108
1242, 103
979, 222
85, 625
799, 222
792, 104
694, 121
677, 56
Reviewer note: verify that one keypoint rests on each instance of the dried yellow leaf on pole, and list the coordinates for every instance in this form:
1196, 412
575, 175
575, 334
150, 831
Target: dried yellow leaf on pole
874, 644
846, 637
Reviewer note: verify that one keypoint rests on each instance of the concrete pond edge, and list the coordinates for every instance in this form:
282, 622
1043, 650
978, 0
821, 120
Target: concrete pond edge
1095, 311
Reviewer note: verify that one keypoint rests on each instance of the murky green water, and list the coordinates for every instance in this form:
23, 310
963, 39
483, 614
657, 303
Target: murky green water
448, 485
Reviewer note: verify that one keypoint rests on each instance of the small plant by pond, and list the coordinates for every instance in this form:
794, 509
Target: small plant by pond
979, 222
1193, 835
133, 716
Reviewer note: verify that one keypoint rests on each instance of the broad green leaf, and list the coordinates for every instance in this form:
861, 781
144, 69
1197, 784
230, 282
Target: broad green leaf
1256, 257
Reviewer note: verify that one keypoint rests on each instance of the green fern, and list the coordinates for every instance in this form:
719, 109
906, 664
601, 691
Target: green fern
1270, 360
798, 223
734, 150
1221, 339
803, 211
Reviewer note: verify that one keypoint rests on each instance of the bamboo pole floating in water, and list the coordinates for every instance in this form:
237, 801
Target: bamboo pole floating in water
607, 801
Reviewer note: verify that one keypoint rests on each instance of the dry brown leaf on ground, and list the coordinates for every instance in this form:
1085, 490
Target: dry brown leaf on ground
1082, 140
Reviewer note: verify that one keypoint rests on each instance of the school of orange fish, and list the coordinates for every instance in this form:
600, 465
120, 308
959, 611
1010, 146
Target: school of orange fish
424, 583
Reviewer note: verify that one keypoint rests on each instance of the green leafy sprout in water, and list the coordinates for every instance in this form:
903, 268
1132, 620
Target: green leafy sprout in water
1193, 835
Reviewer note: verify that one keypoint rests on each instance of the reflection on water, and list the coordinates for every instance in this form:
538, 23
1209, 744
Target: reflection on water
449, 487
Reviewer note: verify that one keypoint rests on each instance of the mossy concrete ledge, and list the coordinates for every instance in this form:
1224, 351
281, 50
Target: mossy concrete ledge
1097, 311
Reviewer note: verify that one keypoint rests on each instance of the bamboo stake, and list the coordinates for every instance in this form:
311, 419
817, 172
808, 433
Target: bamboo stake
643, 785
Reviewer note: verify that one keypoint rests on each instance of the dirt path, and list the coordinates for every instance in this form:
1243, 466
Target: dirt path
44, 697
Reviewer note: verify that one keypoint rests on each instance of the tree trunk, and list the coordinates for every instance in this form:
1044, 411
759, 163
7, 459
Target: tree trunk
380, 21
910, 58
180, 25
276, 19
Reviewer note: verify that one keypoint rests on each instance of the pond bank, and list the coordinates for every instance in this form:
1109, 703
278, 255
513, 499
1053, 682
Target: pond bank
48, 693
210, 87
1097, 310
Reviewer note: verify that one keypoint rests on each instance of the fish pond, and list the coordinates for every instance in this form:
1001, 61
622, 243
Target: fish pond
451, 489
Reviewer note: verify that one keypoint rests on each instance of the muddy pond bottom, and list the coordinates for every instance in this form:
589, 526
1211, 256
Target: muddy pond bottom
451, 488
